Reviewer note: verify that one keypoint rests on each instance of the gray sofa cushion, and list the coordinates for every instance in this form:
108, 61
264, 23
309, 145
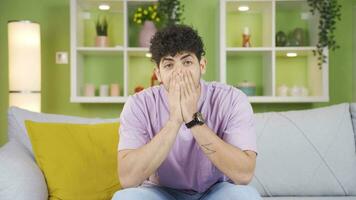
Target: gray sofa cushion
311, 198
17, 117
353, 117
20, 177
306, 153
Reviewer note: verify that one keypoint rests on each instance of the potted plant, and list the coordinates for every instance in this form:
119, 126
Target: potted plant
146, 16
101, 32
166, 12
329, 12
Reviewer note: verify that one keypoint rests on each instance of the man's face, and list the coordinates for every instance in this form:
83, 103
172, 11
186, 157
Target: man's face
185, 61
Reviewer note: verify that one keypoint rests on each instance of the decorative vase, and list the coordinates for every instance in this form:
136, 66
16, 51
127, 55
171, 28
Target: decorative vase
281, 39
292, 41
283, 90
114, 90
101, 41
147, 31
249, 88
246, 36
299, 36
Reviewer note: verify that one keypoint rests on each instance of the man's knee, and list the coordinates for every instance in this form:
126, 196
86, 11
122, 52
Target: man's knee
247, 192
139, 193
227, 190
129, 193
243, 192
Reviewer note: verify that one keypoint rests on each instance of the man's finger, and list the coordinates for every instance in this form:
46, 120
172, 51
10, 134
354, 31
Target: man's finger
190, 85
190, 78
183, 87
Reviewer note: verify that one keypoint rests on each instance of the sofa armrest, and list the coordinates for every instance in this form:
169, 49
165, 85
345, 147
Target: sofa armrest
353, 117
20, 177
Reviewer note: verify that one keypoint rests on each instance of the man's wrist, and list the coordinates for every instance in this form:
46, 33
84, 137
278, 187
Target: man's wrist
174, 123
189, 119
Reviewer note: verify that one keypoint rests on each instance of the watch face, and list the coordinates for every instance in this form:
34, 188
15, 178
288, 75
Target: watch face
200, 118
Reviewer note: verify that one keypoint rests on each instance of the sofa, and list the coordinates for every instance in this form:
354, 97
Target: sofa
307, 154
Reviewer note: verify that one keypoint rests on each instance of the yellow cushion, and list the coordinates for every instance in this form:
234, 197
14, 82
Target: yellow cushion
79, 161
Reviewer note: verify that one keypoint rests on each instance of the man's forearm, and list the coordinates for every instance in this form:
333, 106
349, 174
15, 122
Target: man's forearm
234, 163
139, 164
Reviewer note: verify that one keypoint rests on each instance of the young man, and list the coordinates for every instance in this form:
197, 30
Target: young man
187, 138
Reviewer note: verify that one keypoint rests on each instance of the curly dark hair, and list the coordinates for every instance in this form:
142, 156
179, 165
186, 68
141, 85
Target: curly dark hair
175, 39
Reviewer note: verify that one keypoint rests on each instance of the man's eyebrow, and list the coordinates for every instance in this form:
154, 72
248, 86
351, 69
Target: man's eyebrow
169, 59
187, 55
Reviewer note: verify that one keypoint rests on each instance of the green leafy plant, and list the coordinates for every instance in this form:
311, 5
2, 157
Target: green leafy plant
101, 27
171, 11
144, 13
329, 12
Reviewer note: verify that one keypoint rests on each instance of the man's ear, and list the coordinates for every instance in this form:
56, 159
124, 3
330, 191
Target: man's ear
202, 64
158, 75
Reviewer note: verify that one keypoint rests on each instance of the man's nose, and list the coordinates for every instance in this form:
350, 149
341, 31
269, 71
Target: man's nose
178, 67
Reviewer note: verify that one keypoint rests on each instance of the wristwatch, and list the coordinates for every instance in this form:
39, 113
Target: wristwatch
197, 120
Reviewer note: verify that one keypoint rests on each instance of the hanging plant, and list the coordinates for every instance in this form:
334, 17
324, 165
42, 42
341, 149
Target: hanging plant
329, 12
171, 10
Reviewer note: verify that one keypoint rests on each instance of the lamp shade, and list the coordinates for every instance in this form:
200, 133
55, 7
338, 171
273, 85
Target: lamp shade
24, 44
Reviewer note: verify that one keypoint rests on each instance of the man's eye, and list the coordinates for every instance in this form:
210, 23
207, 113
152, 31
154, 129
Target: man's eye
168, 66
188, 62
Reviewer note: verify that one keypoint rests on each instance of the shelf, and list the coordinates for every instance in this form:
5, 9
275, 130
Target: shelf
119, 63
299, 71
255, 67
138, 49
140, 71
258, 19
98, 68
265, 63
99, 50
274, 99
292, 15
119, 99
139, 52
87, 14
243, 49
305, 48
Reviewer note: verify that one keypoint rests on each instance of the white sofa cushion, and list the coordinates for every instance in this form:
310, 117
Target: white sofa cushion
17, 116
306, 153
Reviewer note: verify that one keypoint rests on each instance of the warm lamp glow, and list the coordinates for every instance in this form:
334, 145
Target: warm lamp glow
291, 54
148, 55
104, 7
24, 64
243, 8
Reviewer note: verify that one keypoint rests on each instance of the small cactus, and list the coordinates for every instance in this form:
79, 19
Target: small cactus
102, 27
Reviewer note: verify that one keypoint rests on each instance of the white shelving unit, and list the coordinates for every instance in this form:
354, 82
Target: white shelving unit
87, 58
264, 63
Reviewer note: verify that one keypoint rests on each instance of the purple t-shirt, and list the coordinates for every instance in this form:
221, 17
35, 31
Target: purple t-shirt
227, 113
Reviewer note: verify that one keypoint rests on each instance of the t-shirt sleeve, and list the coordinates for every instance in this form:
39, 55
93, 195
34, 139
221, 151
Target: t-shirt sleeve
240, 130
133, 133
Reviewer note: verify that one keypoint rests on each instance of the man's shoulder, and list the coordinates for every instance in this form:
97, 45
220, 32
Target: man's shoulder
222, 89
148, 95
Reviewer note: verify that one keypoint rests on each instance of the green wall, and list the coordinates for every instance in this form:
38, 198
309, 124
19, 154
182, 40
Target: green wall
53, 15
